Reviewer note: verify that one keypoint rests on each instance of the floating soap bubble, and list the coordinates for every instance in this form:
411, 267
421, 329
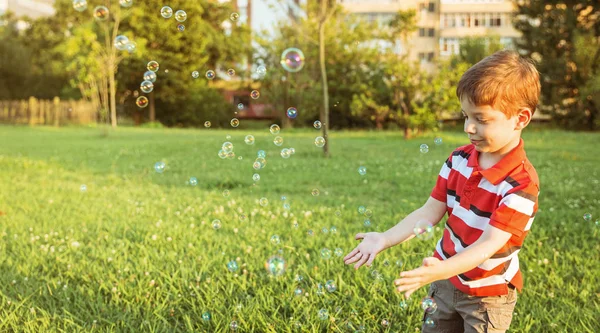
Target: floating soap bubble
240, 106
338, 213
330, 286
362, 170
424, 148
101, 13
285, 153
206, 316
234, 325
166, 12
228, 137
126, 3
147, 86
429, 305
226, 193
193, 181
249, 140
368, 213
286, 206
235, 122
292, 151
275, 266
274, 129
437, 141
399, 262
298, 292
79, 5
232, 266
180, 15
429, 322
216, 224
195, 74
231, 72
141, 102
315, 192
227, 146
361, 209
367, 223
310, 233
587, 217
385, 323
234, 16
319, 141
222, 154
317, 124
159, 167
121, 42
333, 230
207, 124
292, 112
275, 240
150, 76
180, 27
261, 154
255, 177
292, 60
257, 165
263, 202
152, 66
323, 314
261, 70
83, 188
278, 141
325, 253
131, 46
403, 305
255, 94
325, 230
299, 278
210, 74
423, 229
338, 252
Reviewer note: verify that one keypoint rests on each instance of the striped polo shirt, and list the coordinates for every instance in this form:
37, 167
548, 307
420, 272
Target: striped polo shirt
504, 196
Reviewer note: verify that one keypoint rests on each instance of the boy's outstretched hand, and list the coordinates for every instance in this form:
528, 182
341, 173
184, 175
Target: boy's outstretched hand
412, 280
372, 243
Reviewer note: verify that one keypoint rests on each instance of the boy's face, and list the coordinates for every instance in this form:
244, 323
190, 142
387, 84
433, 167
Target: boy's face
490, 130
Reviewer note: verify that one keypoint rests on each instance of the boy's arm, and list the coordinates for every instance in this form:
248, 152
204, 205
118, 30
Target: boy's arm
433, 210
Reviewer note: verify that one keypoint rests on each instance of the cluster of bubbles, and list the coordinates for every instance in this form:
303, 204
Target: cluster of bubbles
226, 150
423, 230
588, 217
429, 305
424, 148
147, 85
101, 13
180, 16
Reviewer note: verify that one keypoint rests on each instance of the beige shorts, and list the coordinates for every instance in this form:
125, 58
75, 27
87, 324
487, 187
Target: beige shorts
459, 312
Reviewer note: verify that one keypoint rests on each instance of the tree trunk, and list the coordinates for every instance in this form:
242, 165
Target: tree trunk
113, 91
325, 109
152, 108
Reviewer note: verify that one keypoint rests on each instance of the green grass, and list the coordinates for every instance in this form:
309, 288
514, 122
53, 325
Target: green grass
149, 260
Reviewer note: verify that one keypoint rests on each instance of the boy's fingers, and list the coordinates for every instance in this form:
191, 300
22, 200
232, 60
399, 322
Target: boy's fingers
370, 261
354, 259
361, 261
359, 236
408, 287
407, 281
411, 273
351, 254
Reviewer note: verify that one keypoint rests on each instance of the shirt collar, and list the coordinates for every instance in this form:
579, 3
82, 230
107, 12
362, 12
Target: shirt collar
502, 169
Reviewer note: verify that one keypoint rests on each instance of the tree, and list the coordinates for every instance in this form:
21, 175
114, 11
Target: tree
15, 59
563, 38
474, 49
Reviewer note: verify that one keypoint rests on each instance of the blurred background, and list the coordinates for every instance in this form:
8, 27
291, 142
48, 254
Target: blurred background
376, 64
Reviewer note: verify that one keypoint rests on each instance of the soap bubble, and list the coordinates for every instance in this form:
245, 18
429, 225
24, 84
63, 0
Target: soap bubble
235, 122
255, 94
278, 141
315, 192
319, 141
274, 129
263, 202
79, 5
193, 181
361, 209
437, 141
240, 106
330, 286
232, 266
227, 146
424, 148
226, 193
298, 292
429, 322
429, 305
261, 154
150, 76
323, 314
159, 167
587, 217
261, 70
126, 3
166, 12
292, 60
207, 124
367, 223
234, 16
292, 112
195, 74
233, 325
257, 165
368, 213
216, 224
180, 27
131, 46
121, 42
285, 153
317, 124
249, 140
152, 66
338, 252
222, 154
385, 323
206, 316
141, 102
423, 229
210, 74
325, 253
231, 72
275, 266
83, 188
362, 170
180, 15
333, 230
256, 177
275, 240
101, 13
147, 86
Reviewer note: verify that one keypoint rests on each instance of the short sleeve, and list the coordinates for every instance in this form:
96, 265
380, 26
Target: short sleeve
440, 189
517, 209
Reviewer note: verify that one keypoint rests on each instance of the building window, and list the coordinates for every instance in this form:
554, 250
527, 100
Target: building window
449, 21
430, 56
421, 32
477, 20
431, 32
432, 7
464, 20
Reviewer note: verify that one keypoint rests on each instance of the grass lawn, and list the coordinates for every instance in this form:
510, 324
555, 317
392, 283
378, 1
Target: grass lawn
136, 251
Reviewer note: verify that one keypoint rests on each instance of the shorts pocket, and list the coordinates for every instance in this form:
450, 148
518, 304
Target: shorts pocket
499, 319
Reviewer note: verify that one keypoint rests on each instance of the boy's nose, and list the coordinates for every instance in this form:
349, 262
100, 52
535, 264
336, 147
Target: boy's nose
469, 128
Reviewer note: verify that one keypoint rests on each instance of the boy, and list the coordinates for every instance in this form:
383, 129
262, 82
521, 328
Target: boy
489, 190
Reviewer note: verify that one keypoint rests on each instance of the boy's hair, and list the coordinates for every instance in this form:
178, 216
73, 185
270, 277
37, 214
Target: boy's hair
504, 80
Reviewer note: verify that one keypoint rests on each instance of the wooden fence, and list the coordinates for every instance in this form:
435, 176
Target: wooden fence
47, 112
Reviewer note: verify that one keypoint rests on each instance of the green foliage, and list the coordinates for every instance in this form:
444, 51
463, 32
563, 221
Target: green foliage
474, 49
563, 37
137, 253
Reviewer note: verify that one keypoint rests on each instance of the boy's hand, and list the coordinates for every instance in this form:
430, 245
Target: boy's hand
410, 281
365, 252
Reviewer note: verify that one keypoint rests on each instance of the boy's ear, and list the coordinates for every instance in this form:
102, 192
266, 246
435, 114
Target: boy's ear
523, 118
